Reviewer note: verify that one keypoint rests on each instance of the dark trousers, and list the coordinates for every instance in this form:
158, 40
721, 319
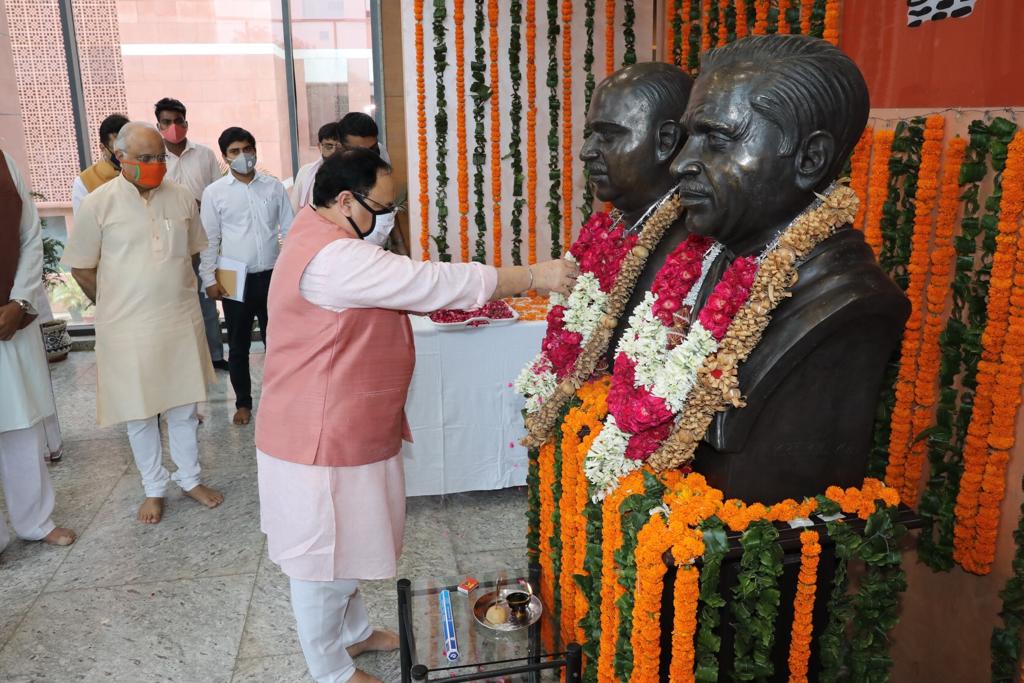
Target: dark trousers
238, 315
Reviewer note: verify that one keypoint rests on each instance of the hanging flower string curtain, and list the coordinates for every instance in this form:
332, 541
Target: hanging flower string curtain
421, 134
492, 22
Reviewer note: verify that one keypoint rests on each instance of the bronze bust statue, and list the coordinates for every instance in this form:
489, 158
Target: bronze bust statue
771, 120
635, 133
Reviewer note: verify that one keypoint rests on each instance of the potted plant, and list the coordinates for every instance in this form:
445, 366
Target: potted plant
55, 332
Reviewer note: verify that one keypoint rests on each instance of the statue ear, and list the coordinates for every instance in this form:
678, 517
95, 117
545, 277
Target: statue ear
670, 141
813, 159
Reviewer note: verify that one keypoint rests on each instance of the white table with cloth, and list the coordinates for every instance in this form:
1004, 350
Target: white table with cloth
466, 419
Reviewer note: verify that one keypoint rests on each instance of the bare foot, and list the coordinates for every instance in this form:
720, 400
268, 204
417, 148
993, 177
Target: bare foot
242, 416
379, 641
363, 677
206, 496
200, 418
151, 510
61, 536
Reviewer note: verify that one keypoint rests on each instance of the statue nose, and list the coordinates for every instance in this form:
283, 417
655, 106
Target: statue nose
683, 167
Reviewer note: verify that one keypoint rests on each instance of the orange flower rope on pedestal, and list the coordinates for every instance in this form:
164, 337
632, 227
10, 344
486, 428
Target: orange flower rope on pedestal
860, 162
705, 26
989, 471
611, 589
904, 470
878, 188
572, 468
803, 607
609, 37
652, 542
462, 178
760, 17
546, 465
421, 135
687, 28
684, 624
492, 19
723, 27
742, 19
831, 33
531, 131
806, 8
567, 113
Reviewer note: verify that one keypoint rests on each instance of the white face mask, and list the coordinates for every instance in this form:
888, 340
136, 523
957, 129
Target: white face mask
382, 229
244, 163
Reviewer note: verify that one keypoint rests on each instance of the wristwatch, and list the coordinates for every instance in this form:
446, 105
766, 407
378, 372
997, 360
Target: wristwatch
26, 307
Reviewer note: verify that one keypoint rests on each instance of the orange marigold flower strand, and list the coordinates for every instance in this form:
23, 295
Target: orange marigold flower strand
760, 17
492, 19
653, 541
723, 27
546, 463
860, 163
531, 131
806, 8
462, 178
670, 30
687, 28
609, 37
783, 27
684, 624
803, 607
1007, 385
742, 19
421, 135
904, 469
878, 189
571, 469
705, 26
567, 114
831, 33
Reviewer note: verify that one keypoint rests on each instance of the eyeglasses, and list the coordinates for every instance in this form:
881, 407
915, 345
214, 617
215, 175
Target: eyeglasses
384, 208
150, 158
330, 147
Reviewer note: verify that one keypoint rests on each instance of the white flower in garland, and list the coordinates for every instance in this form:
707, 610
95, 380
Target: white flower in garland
677, 374
644, 341
606, 463
536, 382
585, 307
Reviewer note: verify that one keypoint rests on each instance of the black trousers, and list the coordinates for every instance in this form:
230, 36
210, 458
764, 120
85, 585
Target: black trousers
238, 315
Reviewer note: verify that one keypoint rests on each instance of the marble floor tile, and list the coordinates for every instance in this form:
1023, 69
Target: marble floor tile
277, 669
13, 606
488, 562
169, 631
191, 541
270, 623
427, 546
487, 520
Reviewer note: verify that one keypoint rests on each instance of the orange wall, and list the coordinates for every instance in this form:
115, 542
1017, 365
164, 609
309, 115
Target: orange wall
975, 61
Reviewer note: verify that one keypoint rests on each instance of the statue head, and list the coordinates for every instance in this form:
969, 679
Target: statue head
635, 133
771, 120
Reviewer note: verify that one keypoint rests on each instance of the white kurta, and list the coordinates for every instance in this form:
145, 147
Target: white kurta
326, 523
25, 393
151, 350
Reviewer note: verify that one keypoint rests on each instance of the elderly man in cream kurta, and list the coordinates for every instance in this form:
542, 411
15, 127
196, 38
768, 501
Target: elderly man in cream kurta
132, 250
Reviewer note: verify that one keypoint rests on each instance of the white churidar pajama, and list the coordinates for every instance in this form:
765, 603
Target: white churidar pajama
144, 436
330, 616
27, 486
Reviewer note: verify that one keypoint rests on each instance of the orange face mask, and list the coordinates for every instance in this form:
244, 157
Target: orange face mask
147, 175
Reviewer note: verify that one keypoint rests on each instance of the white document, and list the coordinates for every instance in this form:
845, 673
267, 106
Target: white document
231, 276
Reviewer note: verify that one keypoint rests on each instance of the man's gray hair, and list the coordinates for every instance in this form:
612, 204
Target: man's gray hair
806, 84
121, 143
665, 87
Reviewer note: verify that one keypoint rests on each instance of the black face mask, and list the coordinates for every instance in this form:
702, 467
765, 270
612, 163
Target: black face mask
373, 217
115, 161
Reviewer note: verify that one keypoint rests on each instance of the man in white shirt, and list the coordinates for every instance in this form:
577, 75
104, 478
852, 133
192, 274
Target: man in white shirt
302, 190
195, 166
245, 214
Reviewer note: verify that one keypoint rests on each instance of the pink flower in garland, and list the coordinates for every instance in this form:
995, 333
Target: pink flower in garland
635, 408
601, 249
644, 443
561, 346
679, 274
728, 297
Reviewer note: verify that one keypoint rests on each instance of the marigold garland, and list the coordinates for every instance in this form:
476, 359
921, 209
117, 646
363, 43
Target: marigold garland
1006, 389
723, 25
671, 12
421, 134
878, 188
686, 28
567, 114
859, 164
831, 33
462, 179
742, 19
760, 17
803, 607
705, 26
971, 509
531, 130
652, 542
546, 462
492, 20
904, 469
568, 518
684, 624
609, 37
806, 10
784, 26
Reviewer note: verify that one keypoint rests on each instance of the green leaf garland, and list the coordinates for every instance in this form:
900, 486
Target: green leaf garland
628, 33
1006, 639
587, 201
677, 30
515, 146
554, 203
480, 93
708, 643
818, 18
693, 54
755, 602
441, 129
533, 506
590, 582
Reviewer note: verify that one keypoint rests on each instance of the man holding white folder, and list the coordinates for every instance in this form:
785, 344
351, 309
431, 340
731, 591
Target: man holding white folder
245, 214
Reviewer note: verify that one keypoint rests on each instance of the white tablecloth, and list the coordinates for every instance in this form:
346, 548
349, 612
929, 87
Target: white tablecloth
466, 420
